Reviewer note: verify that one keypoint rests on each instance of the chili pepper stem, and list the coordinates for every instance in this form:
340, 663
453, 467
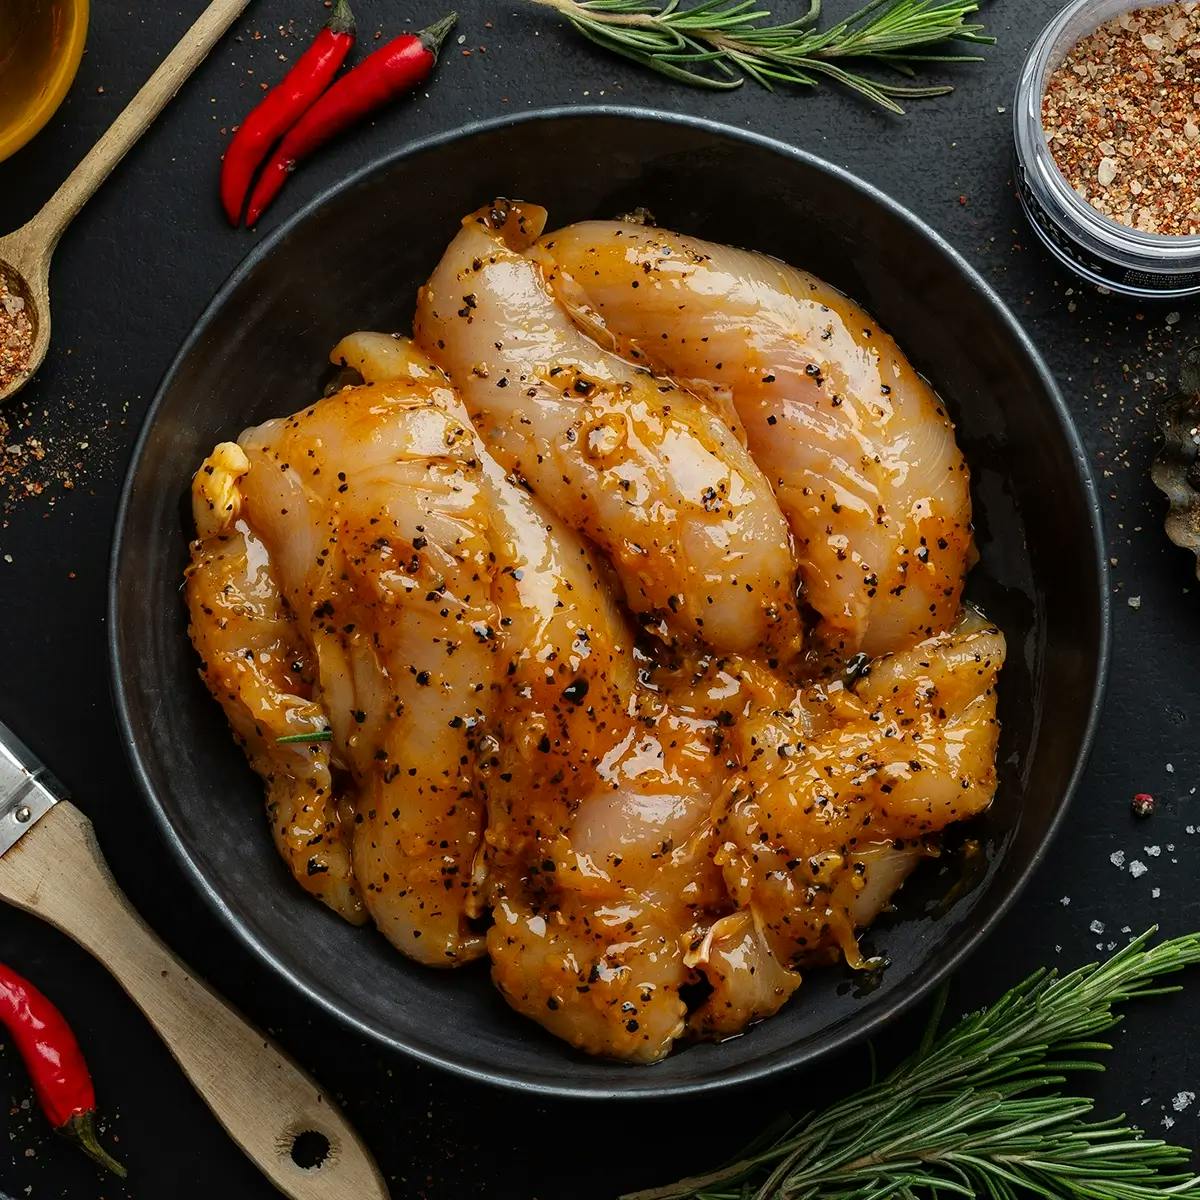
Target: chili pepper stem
433, 36
341, 20
81, 1129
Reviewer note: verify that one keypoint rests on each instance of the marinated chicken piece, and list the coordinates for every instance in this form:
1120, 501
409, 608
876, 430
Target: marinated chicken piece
740, 979
371, 507
567, 667
591, 940
644, 469
257, 665
842, 789
748, 982
858, 448
604, 978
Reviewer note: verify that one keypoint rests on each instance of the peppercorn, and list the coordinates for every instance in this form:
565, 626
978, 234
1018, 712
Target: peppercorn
1143, 804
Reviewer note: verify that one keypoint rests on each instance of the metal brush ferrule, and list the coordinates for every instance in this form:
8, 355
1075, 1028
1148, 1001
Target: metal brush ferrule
27, 790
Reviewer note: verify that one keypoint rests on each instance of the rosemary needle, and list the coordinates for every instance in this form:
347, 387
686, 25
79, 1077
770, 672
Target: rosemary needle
977, 1111
718, 43
320, 735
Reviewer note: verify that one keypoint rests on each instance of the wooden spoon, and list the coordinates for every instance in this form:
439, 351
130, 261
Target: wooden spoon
25, 253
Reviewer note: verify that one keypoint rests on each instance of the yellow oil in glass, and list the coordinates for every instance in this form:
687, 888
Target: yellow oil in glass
31, 33
36, 37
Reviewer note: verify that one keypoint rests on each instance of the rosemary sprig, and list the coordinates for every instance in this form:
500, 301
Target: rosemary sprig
319, 735
718, 43
976, 1111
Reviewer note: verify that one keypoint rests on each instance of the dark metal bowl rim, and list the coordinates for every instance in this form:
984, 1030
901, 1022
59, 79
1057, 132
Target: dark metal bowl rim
854, 1031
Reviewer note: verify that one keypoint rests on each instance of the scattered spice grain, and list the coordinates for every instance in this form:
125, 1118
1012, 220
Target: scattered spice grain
1121, 114
44, 454
16, 335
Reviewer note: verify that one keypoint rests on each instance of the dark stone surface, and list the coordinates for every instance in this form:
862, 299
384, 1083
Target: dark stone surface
130, 278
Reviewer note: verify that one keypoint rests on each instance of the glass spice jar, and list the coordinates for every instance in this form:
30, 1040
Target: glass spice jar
1102, 251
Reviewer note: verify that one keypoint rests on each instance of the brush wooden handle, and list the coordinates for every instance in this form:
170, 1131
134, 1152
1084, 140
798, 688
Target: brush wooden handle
262, 1098
46, 228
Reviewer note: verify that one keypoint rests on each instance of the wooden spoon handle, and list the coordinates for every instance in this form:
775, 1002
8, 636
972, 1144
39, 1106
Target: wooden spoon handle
135, 119
262, 1098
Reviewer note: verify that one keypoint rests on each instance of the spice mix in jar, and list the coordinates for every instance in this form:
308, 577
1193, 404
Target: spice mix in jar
1107, 129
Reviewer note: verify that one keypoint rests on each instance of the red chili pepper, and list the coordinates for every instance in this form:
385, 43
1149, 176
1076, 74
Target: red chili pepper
398, 67
55, 1063
282, 107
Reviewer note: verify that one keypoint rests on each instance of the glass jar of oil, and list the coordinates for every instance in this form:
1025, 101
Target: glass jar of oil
41, 42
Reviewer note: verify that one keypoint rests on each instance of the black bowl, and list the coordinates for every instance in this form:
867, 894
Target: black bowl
353, 260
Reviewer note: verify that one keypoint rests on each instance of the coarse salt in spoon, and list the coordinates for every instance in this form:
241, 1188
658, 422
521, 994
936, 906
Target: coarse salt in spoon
25, 253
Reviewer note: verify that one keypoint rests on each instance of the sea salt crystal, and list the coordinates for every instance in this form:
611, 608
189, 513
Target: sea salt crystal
1170, 768
1107, 171
1153, 851
1155, 893
1172, 318
1168, 1122
1182, 1100
1152, 41
1137, 869
1065, 901
1097, 926
1117, 858
1134, 602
